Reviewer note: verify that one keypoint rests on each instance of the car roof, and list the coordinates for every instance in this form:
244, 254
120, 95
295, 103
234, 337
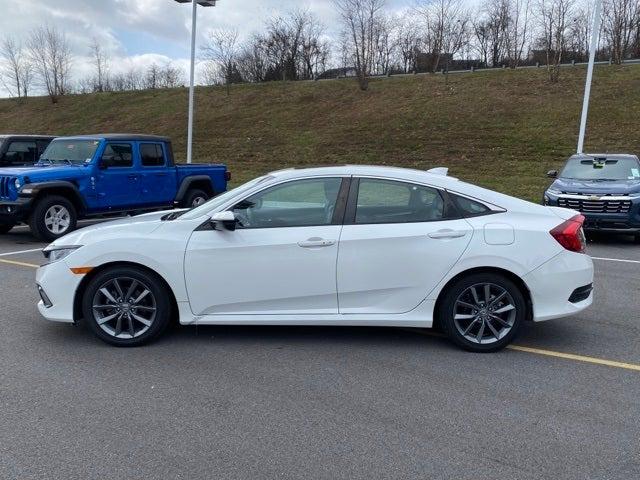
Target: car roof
20, 135
367, 170
608, 156
120, 136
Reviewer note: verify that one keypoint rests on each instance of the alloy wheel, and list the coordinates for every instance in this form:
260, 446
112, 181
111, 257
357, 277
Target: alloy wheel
57, 219
484, 313
124, 307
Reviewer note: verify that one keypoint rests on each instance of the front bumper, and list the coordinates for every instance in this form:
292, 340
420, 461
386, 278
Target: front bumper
627, 222
554, 284
12, 212
59, 286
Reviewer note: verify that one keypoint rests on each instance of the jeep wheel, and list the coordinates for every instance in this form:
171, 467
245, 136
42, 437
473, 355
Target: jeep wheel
52, 218
5, 228
195, 198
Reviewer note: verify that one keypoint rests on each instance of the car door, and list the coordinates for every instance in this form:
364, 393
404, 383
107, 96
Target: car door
399, 240
157, 180
281, 259
117, 182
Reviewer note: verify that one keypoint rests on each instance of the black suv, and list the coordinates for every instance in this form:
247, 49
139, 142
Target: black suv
21, 150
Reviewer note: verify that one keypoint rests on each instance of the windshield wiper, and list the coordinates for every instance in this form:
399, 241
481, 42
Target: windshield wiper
174, 215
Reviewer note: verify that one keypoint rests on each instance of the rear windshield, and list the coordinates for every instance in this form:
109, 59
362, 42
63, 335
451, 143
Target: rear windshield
70, 151
601, 169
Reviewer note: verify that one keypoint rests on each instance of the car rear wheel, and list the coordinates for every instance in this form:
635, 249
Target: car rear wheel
126, 306
52, 218
483, 312
195, 198
5, 228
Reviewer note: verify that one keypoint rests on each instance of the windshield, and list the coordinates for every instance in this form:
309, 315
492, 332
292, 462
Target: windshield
70, 151
223, 198
600, 169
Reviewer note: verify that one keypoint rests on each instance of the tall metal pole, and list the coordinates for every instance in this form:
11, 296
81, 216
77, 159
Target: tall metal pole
595, 33
194, 21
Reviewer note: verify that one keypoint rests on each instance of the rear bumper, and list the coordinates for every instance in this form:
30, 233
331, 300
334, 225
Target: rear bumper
553, 286
15, 211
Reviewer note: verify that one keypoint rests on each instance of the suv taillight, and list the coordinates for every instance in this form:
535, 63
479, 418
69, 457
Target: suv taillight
570, 235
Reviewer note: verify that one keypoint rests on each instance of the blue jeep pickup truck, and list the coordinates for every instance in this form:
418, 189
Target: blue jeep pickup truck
85, 176
605, 188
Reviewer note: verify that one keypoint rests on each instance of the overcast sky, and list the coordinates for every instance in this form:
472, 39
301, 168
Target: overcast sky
144, 31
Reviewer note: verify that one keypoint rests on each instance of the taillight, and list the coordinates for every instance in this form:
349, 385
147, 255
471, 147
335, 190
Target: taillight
570, 235
227, 175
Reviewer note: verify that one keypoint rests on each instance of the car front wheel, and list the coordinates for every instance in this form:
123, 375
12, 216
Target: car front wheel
483, 312
126, 306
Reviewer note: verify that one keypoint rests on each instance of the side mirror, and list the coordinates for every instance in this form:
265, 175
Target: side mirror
552, 174
226, 219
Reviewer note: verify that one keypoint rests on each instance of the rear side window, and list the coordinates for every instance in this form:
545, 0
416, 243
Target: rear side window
117, 155
468, 207
152, 155
388, 201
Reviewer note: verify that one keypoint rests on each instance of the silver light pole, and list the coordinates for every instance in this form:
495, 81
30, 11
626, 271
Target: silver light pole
595, 34
192, 75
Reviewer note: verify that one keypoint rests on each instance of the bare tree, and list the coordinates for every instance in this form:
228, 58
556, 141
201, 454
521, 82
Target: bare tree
17, 71
621, 19
359, 19
51, 57
446, 24
408, 42
252, 61
220, 54
518, 30
101, 63
553, 16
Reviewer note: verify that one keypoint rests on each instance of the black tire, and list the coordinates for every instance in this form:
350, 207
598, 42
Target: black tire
194, 196
37, 221
5, 228
158, 298
484, 315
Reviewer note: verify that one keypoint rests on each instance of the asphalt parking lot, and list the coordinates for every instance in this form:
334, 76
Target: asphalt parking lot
272, 402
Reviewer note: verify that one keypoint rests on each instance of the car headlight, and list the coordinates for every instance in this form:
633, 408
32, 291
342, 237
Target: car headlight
554, 191
54, 254
17, 183
635, 195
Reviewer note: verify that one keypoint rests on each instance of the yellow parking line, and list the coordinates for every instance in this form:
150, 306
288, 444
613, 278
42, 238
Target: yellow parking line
577, 358
19, 264
549, 353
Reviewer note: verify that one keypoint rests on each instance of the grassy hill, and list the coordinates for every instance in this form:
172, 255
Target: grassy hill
500, 129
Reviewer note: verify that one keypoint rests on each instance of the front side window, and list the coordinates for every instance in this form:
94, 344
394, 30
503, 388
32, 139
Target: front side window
21, 153
294, 204
389, 201
151, 155
117, 155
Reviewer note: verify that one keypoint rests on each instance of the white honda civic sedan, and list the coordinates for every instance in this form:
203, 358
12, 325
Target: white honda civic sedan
352, 245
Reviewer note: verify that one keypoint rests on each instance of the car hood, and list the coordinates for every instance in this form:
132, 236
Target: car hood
606, 187
138, 225
41, 172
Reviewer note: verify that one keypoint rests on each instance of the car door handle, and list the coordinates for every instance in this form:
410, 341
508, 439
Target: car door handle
133, 177
316, 243
447, 233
